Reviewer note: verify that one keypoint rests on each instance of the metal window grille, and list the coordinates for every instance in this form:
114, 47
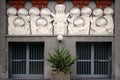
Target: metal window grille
94, 59
26, 59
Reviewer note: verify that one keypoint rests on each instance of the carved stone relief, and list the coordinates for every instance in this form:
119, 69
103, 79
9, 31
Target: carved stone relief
34, 15
102, 25
25, 29
46, 28
86, 15
74, 22
108, 15
97, 13
60, 20
72, 27
18, 25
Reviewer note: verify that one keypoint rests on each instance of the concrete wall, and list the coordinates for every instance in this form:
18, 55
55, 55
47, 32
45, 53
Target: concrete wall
68, 42
3, 69
117, 40
51, 42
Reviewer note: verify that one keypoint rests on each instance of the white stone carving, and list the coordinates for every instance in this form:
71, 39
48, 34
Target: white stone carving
42, 27
19, 22
45, 22
48, 28
100, 27
34, 13
18, 25
108, 14
74, 13
96, 27
86, 15
78, 28
11, 12
60, 20
25, 29
80, 25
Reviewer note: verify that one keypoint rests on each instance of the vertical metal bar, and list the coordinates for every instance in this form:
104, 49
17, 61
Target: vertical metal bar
95, 57
98, 47
16, 57
92, 59
103, 52
39, 57
82, 61
79, 58
87, 58
27, 59
35, 57
109, 57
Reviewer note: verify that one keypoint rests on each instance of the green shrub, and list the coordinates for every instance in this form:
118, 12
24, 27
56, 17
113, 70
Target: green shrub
61, 60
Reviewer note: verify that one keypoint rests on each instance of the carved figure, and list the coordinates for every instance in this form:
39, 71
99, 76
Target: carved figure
78, 28
103, 25
108, 15
34, 15
25, 29
42, 27
95, 29
74, 13
11, 12
46, 13
44, 22
86, 15
100, 26
60, 20
80, 25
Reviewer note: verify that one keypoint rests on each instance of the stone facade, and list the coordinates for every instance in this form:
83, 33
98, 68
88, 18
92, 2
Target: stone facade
3, 26
51, 42
117, 40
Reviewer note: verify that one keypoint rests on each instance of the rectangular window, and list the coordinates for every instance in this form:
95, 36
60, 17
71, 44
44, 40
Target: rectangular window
26, 59
94, 59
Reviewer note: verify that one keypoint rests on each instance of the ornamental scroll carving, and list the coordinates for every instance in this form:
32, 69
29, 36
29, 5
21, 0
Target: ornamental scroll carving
84, 21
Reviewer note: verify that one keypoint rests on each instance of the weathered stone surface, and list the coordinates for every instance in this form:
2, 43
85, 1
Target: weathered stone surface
60, 76
117, 40
51, 42
2, 38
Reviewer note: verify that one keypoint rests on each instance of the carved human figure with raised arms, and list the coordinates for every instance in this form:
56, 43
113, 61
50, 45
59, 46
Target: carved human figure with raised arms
60, 20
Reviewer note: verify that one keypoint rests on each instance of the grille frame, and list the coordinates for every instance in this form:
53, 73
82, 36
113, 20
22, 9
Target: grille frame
27, 60
92, 60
